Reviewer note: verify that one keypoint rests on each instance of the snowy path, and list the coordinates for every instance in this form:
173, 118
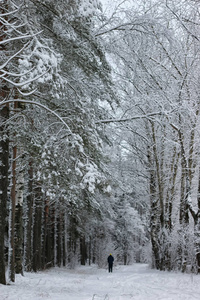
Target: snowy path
136, 282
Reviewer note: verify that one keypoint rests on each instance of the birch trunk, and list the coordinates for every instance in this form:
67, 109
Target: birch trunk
19, 224
18, 239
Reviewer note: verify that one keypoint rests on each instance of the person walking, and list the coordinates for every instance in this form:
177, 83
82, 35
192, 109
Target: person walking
110, 263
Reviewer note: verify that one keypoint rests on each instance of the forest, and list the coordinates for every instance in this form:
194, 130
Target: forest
99, 134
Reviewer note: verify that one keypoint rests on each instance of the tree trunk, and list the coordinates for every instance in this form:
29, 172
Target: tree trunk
154, 212
185, 185
72, 242
64, 239
184, 208
37, 249
47, 240
196, 218
59, 239
4, 155
28, 222
83, 250
18, 239
12, 219
94, 245
197, 228
55, 235
197, 242
125, 259
90, 250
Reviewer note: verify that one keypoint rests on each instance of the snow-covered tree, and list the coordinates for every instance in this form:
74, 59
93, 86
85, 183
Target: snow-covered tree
154, 70
57, 74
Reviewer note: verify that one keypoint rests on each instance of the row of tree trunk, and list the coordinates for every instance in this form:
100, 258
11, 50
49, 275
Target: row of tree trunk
40, 234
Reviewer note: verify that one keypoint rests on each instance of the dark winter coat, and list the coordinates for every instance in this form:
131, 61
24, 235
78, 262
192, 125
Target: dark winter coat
110, 259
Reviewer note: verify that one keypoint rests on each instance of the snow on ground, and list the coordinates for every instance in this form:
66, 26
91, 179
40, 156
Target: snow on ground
136, 282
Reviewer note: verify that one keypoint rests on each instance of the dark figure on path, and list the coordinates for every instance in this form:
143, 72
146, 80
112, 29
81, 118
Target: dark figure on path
110, 263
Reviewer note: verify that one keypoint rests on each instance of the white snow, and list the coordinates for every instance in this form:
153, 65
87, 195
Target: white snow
136, 282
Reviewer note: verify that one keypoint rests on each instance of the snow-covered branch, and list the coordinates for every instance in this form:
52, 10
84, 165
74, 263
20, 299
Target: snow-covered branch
19, 38
119, 27
13, 56
38, 104
20, 84
9, 13
178, 18
26, 94
130, 119
16, 74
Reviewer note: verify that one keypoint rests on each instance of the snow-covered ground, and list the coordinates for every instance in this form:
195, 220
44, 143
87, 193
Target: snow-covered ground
136, 282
